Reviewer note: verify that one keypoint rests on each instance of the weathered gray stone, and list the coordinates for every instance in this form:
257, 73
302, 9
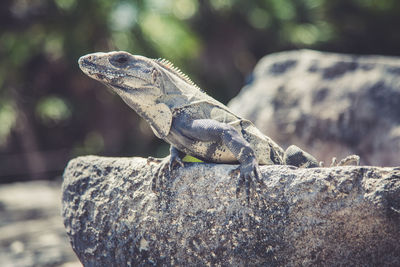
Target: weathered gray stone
331, 105
300, 217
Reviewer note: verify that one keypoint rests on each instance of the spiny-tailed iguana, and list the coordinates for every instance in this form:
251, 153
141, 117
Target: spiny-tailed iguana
189, 120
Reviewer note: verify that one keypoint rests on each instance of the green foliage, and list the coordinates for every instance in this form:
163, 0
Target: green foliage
52, 110
8, 118
47, 104
93, 143
169, 37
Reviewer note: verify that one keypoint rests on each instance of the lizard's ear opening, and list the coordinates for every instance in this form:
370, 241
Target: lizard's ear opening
156, 79
155, 75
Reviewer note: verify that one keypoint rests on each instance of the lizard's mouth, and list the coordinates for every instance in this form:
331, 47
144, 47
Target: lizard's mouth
101, 77
99, 72
86, 65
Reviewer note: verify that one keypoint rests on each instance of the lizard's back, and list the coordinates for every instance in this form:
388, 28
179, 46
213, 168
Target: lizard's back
266, 150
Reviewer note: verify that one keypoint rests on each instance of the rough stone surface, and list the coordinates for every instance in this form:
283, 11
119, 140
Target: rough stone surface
300, 217
331, 105
31, 228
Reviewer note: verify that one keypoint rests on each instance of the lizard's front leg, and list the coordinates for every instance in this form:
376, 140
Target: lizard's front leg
175, 158
166, 166
208, 130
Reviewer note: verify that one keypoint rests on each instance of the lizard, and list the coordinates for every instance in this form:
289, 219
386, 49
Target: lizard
192, 122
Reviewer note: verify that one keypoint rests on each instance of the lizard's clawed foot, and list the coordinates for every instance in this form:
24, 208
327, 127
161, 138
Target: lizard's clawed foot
161, 173
164, 170
174, 161
246, 173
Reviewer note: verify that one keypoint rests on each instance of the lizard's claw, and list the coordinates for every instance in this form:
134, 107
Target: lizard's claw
164, 170
174, 161
246, 173
161, 172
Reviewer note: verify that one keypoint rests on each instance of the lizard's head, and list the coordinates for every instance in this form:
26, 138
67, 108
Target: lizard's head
122, 72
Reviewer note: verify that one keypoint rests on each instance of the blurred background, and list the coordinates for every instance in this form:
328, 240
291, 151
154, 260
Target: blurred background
51, 112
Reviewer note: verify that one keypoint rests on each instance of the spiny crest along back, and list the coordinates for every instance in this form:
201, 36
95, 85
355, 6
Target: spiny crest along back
168, 65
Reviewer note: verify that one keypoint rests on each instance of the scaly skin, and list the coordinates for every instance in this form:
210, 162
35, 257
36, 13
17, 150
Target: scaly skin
189, 120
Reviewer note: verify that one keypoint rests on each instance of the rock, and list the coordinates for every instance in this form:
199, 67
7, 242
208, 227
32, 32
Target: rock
31, 229
331, 105
299, 217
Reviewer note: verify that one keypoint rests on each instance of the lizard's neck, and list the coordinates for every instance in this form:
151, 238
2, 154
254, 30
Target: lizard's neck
156, 113
177, 92
139, 102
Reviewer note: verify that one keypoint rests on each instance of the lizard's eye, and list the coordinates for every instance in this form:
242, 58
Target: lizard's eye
119, 60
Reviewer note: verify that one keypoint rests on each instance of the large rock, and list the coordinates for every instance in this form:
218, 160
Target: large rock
328, 104
323, 216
